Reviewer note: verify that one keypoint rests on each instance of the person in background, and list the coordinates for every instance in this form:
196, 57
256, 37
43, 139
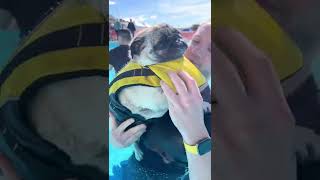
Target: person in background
117, 26
119, 56
110, 31
131, 27
121, 22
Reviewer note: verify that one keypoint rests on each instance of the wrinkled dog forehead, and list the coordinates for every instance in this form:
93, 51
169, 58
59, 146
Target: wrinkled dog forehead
160, 32
150, 37
163, 32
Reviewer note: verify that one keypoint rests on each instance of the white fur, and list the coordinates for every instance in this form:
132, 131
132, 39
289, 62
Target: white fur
139, 98
72, 115
146, 56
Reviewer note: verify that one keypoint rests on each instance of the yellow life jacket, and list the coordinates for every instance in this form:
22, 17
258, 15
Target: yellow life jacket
70, 42
134, 74
35, 60
261, 29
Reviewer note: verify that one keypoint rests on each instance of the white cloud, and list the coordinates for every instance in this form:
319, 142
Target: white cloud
194, 9
183, 13
153, 17
174, 17
112, 2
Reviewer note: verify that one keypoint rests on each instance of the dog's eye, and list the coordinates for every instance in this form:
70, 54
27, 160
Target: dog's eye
178, 40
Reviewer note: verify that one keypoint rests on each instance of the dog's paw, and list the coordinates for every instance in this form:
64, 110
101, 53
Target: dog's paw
206, 107
138, 153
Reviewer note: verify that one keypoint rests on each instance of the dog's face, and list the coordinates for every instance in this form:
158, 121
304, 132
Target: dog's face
157, 44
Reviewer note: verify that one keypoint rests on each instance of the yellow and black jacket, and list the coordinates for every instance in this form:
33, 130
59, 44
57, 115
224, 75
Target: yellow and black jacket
247, 17
70, 42
134, 74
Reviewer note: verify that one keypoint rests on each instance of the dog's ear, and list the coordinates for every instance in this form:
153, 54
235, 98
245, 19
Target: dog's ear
137, 45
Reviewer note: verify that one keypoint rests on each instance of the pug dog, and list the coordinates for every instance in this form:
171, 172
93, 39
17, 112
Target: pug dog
153, 45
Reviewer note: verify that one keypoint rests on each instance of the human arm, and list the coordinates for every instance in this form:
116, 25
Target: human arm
121, 138
7, 168
186, 112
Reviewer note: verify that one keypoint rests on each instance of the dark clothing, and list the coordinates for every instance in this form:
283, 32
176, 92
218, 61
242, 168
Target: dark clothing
135, 170
305, 106
131, 27
28, 13
206, 94
119, 57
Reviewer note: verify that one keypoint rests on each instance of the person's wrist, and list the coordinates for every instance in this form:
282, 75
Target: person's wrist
195, 137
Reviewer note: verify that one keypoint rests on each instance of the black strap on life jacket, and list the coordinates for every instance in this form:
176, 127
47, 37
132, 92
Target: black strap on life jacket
120, 112
86, 35
133, 73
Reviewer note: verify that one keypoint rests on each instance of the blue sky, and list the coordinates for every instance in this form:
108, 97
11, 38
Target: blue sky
178, 13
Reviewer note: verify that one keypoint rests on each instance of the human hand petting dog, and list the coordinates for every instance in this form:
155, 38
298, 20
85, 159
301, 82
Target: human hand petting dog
186, 107
253, 127
121, 138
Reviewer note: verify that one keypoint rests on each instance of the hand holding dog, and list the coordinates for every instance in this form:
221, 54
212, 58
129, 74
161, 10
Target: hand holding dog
186, 107
121, 138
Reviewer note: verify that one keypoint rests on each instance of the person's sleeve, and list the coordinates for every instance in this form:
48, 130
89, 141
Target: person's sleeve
207, 121
112, 57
